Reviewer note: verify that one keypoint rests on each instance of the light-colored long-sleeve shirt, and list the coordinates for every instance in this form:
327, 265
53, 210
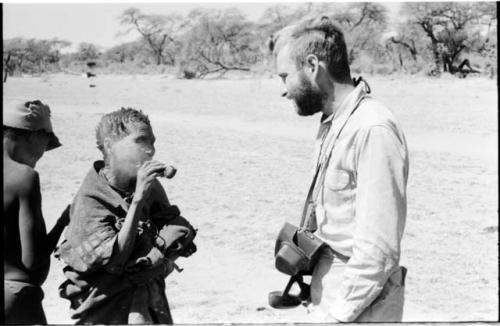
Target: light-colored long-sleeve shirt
361, 197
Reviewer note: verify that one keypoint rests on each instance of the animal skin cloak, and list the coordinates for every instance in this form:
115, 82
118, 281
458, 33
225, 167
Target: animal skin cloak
100, 290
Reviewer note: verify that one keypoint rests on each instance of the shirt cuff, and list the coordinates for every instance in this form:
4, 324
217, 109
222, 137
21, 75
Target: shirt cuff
345, 312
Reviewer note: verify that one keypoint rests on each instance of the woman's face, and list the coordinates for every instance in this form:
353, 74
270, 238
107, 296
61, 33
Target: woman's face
126, 155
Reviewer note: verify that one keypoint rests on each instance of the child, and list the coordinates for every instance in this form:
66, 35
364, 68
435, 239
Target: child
123, 234
27, 134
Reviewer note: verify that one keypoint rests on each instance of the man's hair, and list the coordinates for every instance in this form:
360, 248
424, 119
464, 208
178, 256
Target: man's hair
116, 125
318, 36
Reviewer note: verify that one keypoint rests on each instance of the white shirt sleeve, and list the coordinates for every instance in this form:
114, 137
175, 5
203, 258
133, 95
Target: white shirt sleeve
381, 177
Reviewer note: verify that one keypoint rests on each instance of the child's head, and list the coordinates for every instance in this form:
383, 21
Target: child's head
28, 128
126, 140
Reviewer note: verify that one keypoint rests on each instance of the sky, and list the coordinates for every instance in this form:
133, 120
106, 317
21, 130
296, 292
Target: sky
98, 24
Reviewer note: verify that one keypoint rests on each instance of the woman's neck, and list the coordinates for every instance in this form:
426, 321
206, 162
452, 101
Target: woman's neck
116, 180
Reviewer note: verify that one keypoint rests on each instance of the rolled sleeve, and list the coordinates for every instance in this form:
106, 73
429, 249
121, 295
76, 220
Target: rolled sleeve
380, 214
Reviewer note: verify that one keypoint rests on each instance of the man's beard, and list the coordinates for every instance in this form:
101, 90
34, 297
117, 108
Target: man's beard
308, 99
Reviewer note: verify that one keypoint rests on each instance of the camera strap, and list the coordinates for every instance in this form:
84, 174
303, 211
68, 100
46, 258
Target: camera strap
308, 219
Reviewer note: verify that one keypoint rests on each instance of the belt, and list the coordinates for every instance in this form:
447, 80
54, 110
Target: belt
398, 277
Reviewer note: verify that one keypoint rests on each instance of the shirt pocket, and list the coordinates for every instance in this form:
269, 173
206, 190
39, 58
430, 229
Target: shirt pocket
337, 180
338, 196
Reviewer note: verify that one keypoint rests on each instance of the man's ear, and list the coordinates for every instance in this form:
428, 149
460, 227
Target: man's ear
312, 63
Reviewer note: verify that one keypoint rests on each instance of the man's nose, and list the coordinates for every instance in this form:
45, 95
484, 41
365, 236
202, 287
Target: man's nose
284, 93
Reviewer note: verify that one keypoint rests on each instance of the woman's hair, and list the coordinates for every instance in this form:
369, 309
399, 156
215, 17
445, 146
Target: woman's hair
116, 125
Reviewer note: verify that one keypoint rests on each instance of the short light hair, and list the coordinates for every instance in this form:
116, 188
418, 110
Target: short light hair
318, 36
116, 125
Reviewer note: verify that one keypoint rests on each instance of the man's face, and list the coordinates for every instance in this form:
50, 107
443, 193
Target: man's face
308, 98
129, 153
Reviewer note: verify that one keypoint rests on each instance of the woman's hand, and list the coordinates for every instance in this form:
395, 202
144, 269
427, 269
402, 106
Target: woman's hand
127, 234
148, 171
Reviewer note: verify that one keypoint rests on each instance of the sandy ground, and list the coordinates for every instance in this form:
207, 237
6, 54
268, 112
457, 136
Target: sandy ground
244, 159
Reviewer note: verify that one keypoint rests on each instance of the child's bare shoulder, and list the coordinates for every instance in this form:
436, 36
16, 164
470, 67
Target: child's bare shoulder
20, 178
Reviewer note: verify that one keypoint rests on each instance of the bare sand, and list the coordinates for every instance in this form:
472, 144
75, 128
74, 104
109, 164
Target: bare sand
244, 160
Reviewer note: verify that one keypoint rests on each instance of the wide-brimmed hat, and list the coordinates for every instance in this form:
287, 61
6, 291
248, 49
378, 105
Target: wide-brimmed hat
31, 115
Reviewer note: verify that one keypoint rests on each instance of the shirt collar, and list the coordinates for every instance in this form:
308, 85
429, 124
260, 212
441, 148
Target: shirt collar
351, 99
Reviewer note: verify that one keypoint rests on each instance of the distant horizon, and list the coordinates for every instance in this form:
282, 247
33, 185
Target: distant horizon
98, 23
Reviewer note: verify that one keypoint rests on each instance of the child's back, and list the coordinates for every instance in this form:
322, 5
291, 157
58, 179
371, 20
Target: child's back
25, 266
27, 134
24, 228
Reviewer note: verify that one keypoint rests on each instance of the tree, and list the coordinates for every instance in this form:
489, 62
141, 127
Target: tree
87, 52
408, 45
448, 26
363, 24
158, 31
14, 51
483, 38
42, 53
219, 41
275, 17
130, 51
31, 55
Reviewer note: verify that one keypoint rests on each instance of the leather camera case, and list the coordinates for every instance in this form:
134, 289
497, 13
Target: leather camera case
296, 251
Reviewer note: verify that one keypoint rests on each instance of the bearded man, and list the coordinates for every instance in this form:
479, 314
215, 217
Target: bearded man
358, 202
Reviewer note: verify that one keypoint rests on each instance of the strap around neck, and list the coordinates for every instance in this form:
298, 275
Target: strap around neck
312, 195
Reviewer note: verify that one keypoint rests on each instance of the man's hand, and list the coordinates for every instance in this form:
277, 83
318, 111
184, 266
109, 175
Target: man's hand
145, 176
